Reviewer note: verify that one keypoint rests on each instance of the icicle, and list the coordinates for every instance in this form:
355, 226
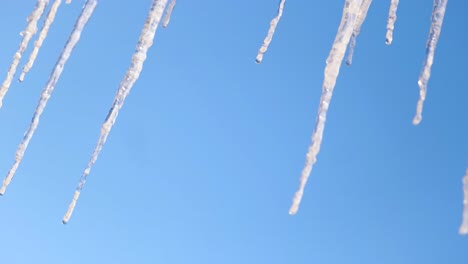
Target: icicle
357, 29
464, 226
68, 1
271, 32
38, 43
27, 34
331, 72
49, 88
438, 13
167, 16
144, 43
391, 21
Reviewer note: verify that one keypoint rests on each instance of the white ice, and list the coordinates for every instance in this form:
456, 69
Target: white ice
144, 43
27, 34
332, 69
438, 13
42, 35
167, 15
357, 29
271, 32
49, 88
391, 21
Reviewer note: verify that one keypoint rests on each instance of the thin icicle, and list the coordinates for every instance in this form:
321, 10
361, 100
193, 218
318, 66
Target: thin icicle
391, 21
167, 15
144, 43
27, 34
68, 1
38, 43
464, 226
438, 13
332, 69
271, 32
49, 88
357, 29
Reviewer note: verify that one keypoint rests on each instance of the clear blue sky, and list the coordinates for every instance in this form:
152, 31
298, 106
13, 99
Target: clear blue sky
205, 157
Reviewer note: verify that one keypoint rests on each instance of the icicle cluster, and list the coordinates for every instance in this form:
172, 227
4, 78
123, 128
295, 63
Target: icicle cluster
49, 88
354, 15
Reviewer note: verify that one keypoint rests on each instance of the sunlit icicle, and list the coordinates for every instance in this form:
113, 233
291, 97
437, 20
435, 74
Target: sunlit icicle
27, 34
332, 69
68, 1
49, 88
464, 226
42, 35
144, 43
357, 29
271, 32
391, 21
438, 13
167, 15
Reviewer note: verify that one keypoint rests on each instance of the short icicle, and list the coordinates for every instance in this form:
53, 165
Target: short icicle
357, 29
133, 72
332, 69
167, 15
271, 32
391, 21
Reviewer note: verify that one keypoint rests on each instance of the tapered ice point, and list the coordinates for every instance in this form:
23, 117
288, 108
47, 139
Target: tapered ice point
42, 35
332, 69
71, 207
437, 19
145, 41
167, 15
391, 21
271, 32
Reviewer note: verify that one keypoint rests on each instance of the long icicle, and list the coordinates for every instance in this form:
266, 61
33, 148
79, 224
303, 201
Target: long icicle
38, 43
357, 29
464, 226
271, 32
332, 69
49, 88
391, 21
144, 43
167, 15
438, 13
27, 34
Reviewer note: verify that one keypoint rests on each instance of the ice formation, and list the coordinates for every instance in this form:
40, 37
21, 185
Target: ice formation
332, 69
27, 34
49, 88
271, 32
391, 21
144, 43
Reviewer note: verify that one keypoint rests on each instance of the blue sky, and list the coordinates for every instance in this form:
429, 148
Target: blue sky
205, 157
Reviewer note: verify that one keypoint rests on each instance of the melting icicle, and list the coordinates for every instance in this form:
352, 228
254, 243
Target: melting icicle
38, 43
464, 226
332, 69
438, 13
68, 1
144, 43
357, 29
49, 88
27, 34
271, 32
167, 16
391, 21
